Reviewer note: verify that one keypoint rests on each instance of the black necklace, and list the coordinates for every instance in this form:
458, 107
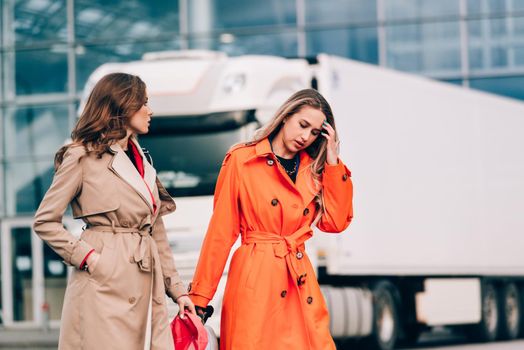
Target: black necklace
289, 165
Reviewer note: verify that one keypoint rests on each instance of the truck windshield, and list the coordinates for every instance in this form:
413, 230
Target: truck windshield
187, 154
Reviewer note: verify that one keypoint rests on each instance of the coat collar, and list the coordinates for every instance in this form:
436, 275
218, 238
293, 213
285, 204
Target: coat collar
304, 184
122, 166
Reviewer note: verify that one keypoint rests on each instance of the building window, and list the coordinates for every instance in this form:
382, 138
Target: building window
430, 48
35, 131
356, 43
41, 71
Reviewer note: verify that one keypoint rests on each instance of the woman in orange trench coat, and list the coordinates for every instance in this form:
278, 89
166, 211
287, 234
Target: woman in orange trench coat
272, 299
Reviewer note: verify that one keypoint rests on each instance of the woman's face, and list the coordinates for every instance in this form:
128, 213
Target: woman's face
139, 122
302, 128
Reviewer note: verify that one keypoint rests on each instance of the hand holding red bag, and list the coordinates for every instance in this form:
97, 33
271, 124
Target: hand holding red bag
189, 333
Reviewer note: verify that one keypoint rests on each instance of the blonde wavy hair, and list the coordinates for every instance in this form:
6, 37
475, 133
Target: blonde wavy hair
318, 149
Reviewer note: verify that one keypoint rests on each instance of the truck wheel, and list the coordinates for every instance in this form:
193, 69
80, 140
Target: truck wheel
385, 317
487, 329
511, 312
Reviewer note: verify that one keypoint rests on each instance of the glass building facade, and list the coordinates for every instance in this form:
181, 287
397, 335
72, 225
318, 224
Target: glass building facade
49, 48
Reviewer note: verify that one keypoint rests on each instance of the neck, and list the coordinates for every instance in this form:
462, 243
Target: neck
279, 147
123, 142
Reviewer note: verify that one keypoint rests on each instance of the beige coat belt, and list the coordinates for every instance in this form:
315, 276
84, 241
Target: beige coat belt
144, 252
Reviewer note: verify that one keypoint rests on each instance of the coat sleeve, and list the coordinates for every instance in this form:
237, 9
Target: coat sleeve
338, 198
66, 185
173, 284
222, 233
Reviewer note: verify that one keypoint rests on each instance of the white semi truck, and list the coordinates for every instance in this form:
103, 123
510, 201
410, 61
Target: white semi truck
438, 170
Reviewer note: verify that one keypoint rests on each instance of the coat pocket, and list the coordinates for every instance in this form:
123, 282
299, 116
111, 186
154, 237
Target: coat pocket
255, 265
105, 266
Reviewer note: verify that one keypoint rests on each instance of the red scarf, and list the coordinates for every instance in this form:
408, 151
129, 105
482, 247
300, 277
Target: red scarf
140, 167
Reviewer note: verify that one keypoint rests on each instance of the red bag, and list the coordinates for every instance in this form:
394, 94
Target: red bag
189, 333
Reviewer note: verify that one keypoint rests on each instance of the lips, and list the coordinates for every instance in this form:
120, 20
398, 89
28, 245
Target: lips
300, 144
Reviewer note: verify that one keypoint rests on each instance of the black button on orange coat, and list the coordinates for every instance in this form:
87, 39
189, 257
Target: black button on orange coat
266, 270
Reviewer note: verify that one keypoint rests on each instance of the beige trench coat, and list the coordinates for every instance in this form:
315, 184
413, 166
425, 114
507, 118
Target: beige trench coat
108, 307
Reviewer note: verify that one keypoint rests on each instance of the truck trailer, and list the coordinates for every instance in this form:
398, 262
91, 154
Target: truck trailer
438, 174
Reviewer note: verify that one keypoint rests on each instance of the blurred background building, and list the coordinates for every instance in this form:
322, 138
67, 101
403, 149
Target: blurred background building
48, 48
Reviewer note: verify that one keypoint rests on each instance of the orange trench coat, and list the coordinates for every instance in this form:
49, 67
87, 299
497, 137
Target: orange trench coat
272, 299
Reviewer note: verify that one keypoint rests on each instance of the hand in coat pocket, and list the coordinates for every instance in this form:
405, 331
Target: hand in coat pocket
103, 267
92, 261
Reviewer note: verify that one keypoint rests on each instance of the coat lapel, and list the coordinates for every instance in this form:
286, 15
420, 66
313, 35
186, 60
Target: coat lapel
149, 171
304, 182
122, 166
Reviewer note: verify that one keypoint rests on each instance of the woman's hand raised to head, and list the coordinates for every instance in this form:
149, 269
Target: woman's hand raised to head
332, 143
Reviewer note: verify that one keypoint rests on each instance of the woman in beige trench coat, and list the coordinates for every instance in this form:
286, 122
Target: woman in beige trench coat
123, 262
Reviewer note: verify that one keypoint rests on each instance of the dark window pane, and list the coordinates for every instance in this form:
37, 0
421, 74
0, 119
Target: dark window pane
495, 6
245, 13
518, 26
340, 11
475, 29
425, 48
498, 27
478, 7
41, 71
27, 183
420, 9
507, 86
22, 272
475, 58
474, 7
496, 43
452, 81
91, 57
281, 44
499, 57
40, 20
518, 5
519, 56
125, 19
357, 43
36, 131
55, 282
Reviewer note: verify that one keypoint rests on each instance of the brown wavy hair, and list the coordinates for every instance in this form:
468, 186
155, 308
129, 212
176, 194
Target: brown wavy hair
114, 99
318, 149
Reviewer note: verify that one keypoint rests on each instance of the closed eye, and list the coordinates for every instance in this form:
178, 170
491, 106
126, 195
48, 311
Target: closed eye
304, 125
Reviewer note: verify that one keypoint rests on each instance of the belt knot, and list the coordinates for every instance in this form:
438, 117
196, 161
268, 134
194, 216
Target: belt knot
287, 247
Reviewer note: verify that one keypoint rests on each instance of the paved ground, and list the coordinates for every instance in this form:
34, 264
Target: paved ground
28, 339
513, 345
39, 340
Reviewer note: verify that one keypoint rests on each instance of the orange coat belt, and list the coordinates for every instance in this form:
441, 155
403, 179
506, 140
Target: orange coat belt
290, 247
